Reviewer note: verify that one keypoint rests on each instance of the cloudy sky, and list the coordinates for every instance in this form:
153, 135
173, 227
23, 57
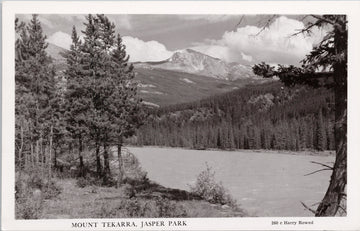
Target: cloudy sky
156, 37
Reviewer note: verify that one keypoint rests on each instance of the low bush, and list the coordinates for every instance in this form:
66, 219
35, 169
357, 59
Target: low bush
132, 167
214, 192
82, 182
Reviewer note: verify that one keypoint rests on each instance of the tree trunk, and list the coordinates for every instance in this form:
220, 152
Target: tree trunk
81, 172
21, 150
336, 190
32, 155
55, 158
120, 160
98, 162
106, 161
335, 194
50, 149
37, 155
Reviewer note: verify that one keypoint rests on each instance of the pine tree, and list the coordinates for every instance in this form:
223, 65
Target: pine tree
77, 99
106, 108
124, 106
34, 96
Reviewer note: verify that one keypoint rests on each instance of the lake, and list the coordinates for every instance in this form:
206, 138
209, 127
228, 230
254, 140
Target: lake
263, 183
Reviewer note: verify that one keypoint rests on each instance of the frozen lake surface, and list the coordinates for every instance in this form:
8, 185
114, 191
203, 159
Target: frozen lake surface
263, 183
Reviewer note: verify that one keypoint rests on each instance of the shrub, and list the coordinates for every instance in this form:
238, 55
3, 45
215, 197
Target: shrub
35, 181
214, 192
82, 182
132, 168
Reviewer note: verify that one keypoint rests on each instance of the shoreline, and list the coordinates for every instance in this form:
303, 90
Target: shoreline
263, 151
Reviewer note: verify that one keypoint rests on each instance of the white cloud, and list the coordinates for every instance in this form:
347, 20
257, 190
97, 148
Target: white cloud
274, 44
60, 39
140, 50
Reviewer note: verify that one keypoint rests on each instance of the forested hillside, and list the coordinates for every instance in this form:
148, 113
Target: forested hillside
266, 116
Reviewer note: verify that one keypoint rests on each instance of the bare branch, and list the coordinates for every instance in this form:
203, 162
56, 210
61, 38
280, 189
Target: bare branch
342, 208
311, 210
327, 166
304, 17
317, 203
267, 24
323, 19
319, 22
239, 23
305, 30
324, 169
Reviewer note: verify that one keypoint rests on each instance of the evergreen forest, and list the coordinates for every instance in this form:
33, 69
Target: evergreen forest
266, 116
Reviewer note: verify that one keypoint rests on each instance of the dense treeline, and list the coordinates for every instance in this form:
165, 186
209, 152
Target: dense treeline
92, 105
267, 116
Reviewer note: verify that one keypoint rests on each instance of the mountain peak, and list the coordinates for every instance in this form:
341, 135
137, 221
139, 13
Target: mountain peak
195, 62
193, 52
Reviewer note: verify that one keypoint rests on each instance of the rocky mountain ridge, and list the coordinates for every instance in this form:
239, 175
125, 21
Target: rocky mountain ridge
194, 62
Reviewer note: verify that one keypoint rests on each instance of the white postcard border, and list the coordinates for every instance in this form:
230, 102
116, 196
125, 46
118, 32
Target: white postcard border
350, 8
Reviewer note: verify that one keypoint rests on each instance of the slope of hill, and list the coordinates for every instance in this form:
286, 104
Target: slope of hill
165, 87
265, 116
194, 62
161, 87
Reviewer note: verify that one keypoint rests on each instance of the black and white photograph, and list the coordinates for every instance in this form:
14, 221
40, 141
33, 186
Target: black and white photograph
163, 117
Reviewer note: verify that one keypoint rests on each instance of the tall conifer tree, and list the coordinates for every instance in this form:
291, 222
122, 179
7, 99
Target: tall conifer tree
35, 81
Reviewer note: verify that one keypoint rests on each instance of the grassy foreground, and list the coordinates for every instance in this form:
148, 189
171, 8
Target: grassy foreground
110, 202
66, 196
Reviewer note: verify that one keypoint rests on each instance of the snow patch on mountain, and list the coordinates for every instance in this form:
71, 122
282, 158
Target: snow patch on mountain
144, 85
186, 80
146, 103
151, 92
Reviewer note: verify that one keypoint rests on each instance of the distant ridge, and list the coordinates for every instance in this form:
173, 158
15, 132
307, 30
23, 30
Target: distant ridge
194, 62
